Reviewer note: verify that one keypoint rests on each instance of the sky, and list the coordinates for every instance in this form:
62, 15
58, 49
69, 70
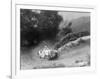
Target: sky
73, 15
69, 15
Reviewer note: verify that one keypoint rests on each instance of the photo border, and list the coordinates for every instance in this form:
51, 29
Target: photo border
18, 73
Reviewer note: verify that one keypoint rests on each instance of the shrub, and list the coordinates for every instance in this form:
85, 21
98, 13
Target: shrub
70, 37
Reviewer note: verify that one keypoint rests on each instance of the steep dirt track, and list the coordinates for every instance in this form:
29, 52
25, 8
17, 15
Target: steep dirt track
67, 58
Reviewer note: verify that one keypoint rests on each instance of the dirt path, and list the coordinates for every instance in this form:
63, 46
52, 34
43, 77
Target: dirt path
67, 58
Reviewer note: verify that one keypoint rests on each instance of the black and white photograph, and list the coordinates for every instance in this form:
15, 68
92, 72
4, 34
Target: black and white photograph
50, 39
54, 39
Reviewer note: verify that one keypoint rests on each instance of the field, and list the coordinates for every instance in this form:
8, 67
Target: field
69, 57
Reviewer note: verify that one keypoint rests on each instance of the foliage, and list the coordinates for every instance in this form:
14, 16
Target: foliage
36, 27
70, 37
64, 31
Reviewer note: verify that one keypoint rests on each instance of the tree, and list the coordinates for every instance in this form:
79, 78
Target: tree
64, 31
36, 27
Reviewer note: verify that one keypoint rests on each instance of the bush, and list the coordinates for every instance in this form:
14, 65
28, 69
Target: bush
70, 37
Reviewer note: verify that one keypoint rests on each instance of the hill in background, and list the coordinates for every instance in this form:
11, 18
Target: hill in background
81, 24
